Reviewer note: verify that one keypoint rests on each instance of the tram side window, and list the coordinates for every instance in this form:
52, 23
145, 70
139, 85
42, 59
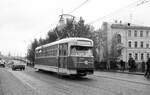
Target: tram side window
39, 53
60, 49
63, 49
52, 50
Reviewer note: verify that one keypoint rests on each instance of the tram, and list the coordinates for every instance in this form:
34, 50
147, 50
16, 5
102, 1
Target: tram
69, 56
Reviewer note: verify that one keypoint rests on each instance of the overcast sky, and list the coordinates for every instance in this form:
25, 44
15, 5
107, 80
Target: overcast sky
23, 20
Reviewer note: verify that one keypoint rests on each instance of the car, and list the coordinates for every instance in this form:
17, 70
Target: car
18, 65
2, 64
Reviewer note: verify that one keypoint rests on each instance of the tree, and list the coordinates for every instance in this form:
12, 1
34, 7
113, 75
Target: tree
51, 36
31, 50
75, 29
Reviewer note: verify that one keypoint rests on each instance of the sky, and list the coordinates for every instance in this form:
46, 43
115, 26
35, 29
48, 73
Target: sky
21, 21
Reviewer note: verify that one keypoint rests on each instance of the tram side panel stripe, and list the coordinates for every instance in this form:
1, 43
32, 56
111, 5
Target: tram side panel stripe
51, 61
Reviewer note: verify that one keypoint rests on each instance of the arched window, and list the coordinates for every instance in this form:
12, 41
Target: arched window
136, 56
129, 43
129, 33
147, 55
147, 33
141, 33
130, 55
142, 56
141, 44
135, 33
135, 44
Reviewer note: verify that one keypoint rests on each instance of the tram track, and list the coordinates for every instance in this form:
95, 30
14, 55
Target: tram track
48, 82
80, 83
90, 83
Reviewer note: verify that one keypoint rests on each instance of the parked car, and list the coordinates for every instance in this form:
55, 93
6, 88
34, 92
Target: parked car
18, 65
2, 64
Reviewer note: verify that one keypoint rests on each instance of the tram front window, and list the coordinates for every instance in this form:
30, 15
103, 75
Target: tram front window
81, 51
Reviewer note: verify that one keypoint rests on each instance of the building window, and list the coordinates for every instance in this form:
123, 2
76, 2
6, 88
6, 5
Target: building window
129, 33
147, 55
147, 33
135, 33
142, 56
129, 43
136, 56
130, 55
141, 33
141, 44
118, 38
147, 45
119, 52
135, 45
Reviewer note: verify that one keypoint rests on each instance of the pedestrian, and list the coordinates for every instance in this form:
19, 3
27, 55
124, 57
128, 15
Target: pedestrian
133, 65
143, 66
147, 74
130, 64
122, 65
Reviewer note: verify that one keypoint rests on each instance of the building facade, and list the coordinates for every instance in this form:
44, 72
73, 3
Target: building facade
123, 41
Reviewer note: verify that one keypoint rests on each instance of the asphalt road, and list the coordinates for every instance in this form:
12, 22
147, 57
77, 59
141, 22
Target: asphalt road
32, 82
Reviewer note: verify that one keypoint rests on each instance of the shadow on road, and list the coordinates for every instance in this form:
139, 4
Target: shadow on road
65, 77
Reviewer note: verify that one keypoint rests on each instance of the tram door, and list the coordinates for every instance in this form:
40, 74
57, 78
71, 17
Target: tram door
62, 60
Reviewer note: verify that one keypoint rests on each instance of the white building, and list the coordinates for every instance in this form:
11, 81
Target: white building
126, 40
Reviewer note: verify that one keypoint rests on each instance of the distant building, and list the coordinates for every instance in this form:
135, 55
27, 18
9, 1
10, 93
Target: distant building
123, 41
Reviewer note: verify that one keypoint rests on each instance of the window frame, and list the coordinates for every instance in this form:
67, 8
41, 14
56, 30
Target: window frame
135, 33
147, 33
135, 44
141, 33
142, 56
136, 56
142, 44
129, 44
129, 33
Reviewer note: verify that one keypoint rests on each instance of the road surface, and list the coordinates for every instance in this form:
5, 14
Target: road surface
32, 82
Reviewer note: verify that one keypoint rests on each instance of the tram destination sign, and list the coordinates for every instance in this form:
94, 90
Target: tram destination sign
87, 43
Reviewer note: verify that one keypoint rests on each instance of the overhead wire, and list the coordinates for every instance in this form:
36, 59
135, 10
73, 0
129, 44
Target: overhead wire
137, 3
79, 6
134, 4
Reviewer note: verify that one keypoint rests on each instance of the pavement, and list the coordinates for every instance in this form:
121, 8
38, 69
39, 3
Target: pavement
123, 72
134, 78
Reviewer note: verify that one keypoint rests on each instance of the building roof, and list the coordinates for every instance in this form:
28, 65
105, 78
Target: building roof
129, 26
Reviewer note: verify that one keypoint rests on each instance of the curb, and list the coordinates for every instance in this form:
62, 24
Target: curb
134, 73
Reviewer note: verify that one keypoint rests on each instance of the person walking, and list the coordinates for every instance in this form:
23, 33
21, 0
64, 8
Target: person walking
133, 65
122, 64
147, 74
130, 64
143, 66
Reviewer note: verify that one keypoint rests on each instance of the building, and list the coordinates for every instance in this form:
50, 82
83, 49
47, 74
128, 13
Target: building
123, 41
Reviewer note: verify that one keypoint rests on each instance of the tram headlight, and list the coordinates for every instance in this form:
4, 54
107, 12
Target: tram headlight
86, 62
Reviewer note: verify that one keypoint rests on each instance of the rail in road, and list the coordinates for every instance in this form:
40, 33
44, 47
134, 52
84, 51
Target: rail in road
44, 83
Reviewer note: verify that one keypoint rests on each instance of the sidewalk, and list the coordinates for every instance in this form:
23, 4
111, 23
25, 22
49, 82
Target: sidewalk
123, 77
124, 72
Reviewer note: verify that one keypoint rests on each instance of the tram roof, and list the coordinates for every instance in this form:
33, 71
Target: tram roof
71, 39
